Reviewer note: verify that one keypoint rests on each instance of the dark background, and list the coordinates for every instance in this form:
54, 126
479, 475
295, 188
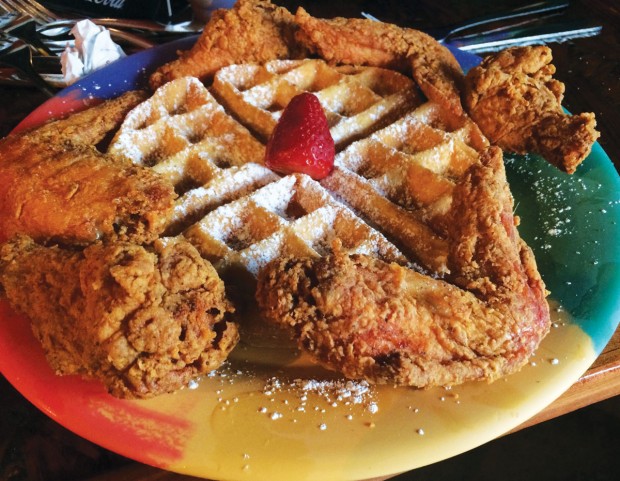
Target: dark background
583, 445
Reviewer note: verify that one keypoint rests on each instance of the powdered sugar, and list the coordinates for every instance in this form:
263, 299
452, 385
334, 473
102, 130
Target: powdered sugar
332, 393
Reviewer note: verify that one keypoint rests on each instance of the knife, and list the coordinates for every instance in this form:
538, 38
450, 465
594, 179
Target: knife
530, 35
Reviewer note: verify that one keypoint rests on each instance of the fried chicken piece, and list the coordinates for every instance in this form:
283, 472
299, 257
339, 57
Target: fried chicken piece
515, 100
390, 324
488, 257
143, 322
252, 31
357, 41
54, 183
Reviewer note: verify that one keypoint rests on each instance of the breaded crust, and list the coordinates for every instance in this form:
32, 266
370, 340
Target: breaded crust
143, 321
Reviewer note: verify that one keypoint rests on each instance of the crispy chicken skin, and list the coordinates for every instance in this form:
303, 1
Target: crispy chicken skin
252, 31
54, 183
258, 31
144, 322
357, 41
516, 102
390, 324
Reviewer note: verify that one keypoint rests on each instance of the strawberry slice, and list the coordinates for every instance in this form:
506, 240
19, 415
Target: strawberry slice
301, 141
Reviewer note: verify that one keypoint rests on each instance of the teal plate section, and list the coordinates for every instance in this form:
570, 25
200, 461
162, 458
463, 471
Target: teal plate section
572, 222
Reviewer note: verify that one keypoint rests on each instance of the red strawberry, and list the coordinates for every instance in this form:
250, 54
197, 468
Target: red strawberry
301, 141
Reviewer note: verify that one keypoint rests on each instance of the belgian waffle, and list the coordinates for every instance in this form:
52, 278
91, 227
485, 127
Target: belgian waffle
252, 215
239, 213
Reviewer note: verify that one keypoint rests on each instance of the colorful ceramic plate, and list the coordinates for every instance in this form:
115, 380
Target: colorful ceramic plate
270, 415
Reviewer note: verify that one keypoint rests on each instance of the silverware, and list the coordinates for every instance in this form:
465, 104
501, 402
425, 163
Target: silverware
23, 28
45, 17
529, 35
47, 35
28, 8
18, 55
522, 26
39, 36
525, 25
508, 17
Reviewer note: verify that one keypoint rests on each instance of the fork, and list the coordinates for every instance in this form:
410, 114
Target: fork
444, 34
18, 55
44, 16
20, 39
55, 25
519, 26
31, 9
55, 33
23, 28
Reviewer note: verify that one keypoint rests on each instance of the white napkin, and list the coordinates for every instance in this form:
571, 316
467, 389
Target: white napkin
94, 48
72, 65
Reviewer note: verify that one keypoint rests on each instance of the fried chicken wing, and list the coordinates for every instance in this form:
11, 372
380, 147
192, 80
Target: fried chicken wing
357, 41
515, 100
387, 323
54, 183
143, 322
252, 31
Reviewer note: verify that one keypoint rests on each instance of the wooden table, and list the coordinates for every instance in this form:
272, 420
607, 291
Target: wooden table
588, 66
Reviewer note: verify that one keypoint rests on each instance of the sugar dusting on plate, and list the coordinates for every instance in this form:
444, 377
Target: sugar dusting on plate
567, 204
